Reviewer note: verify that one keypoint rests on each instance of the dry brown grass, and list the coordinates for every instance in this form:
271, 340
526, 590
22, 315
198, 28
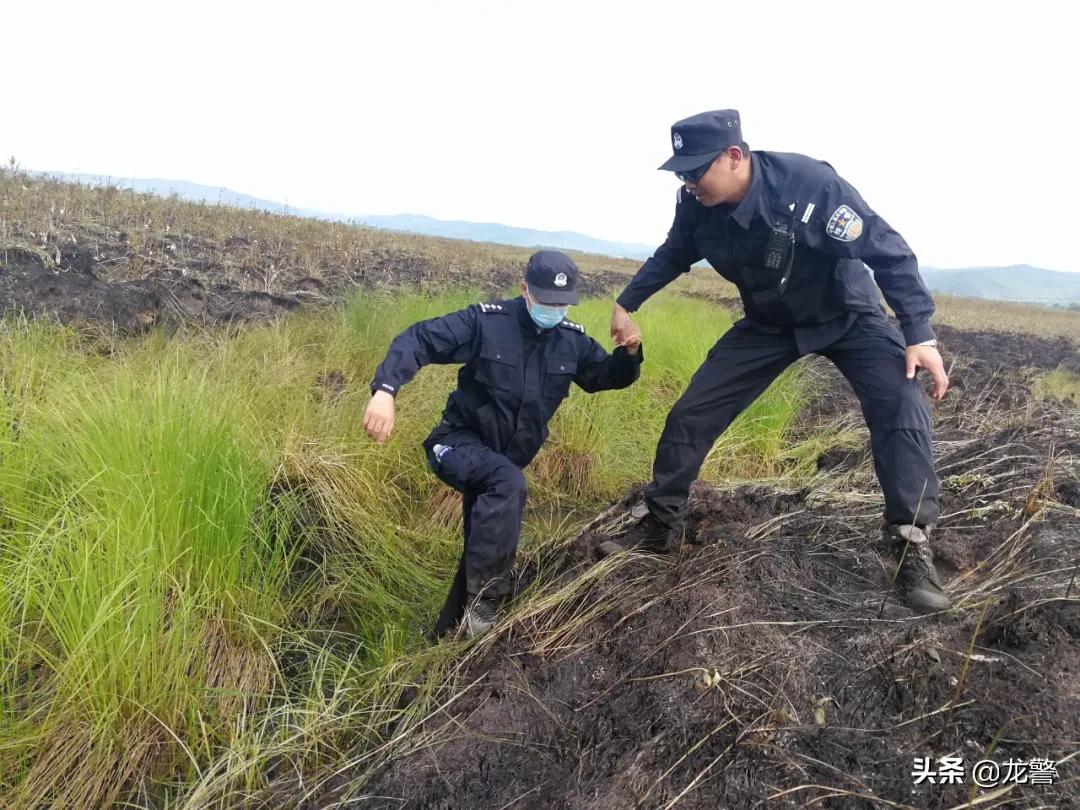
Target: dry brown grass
969, 314
762, 660
1005, 316
131, 235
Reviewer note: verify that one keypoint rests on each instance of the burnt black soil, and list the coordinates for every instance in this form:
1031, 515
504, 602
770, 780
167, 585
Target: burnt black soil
991, 350
32, 285
767, 663
988, 372
211, 283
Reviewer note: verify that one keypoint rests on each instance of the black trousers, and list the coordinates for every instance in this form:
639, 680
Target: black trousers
493, 502
746, 360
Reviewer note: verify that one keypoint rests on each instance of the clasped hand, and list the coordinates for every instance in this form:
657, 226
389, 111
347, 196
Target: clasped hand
624, 331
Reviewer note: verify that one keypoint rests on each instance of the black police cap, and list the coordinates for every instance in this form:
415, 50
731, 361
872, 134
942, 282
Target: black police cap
699, 139
552, 278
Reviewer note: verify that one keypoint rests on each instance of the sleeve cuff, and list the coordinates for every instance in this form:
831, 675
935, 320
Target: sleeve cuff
382, 385
633, 358
916, 333
628, 301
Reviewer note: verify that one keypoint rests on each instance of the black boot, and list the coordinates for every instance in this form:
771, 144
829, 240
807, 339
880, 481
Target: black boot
916, 579
648, 536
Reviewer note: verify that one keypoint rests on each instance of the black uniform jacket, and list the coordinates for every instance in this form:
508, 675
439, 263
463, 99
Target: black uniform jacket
834, 233
514, 375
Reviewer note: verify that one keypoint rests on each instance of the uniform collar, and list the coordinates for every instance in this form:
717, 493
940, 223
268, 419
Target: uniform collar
751, 203
528, 326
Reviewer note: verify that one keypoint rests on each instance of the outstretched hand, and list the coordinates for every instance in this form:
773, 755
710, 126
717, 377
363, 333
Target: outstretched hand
624, 331
928, 358
379, 416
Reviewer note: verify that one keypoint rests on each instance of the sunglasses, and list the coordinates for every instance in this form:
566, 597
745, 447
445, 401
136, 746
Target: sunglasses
694, 175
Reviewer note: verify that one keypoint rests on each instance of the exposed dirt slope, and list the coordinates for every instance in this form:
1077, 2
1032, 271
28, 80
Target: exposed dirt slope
765, 664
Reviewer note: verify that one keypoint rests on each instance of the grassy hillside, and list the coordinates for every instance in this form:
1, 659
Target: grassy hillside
204, 561
125, 235
407, 223
212, 584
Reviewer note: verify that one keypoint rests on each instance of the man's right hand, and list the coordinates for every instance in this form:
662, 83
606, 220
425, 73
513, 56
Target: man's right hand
622, 328
379, 416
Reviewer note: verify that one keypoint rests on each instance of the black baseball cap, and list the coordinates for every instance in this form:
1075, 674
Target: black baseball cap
552, 278
699, 139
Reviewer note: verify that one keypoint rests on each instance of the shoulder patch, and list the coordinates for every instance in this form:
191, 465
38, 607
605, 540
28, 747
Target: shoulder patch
492, 307
572, 325
844, 225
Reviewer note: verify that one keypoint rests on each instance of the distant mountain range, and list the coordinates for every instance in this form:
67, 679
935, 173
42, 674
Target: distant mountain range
1014, 283
1018, 282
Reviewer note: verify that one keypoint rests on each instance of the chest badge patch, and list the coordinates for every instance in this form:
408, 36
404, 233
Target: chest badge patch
844, 225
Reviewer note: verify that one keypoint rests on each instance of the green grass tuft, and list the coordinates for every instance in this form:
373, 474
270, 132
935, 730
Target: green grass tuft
198, 543
1058, 384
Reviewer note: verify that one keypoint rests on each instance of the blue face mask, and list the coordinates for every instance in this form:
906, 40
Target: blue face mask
547, 317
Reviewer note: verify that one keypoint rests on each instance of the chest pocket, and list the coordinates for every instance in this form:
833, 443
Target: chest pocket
748, 248
498, 368
557, 378
734, 253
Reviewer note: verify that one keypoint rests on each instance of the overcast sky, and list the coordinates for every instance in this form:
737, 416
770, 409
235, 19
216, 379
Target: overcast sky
954, 120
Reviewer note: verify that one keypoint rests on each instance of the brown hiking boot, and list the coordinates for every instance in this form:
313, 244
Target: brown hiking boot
648, 536
915, 578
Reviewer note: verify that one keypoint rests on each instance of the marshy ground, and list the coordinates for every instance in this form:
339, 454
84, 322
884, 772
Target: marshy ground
214, 590
766, 665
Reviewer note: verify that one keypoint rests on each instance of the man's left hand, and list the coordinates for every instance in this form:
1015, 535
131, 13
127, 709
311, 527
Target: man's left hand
928, 358
631, 340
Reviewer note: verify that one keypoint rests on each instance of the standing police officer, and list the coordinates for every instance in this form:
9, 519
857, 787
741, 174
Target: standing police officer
793, 236
520, 357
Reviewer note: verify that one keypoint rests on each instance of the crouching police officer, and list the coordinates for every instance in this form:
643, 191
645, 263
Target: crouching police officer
793, 236
520, 357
